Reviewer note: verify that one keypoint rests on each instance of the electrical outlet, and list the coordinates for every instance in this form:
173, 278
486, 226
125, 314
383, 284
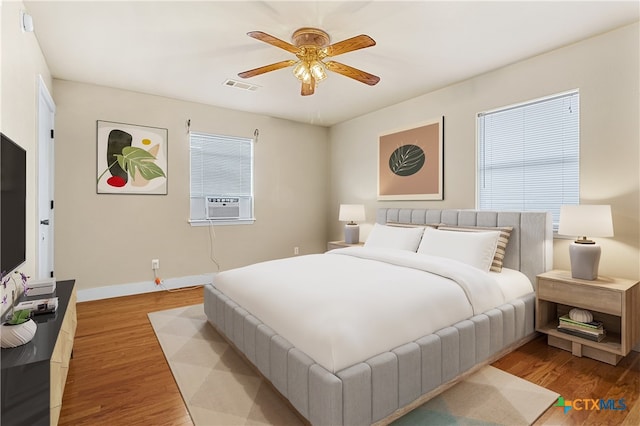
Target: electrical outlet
296, 250
155, 264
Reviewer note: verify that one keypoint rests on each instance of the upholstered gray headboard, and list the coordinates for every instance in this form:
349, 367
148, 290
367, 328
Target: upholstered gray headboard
530, 247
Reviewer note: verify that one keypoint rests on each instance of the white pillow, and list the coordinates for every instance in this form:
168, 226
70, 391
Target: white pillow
473, 248
394, 237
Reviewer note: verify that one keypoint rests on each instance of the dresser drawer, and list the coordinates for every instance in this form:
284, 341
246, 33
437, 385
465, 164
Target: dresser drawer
582, 296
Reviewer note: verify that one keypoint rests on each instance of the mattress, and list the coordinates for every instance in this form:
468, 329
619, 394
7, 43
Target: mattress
360, 302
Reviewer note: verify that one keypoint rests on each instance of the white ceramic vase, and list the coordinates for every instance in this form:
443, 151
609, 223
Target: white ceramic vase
13, 335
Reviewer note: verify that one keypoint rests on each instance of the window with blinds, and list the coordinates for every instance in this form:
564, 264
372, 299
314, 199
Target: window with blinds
221, 178
529, 155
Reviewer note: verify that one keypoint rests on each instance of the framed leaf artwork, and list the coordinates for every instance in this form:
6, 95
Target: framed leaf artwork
410, 163
131, 159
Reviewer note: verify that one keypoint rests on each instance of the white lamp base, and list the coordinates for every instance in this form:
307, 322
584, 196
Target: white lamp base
351, 234
585, 259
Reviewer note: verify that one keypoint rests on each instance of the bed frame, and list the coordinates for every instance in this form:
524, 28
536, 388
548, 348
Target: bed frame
387, 386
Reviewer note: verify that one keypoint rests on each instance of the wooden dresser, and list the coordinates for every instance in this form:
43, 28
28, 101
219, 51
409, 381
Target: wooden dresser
34, 375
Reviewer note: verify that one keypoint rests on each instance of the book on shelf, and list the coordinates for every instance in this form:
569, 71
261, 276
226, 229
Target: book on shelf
565, 320
593, 331
596, 337
580, 327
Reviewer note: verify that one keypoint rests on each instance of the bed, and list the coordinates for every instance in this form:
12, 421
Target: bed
355, 336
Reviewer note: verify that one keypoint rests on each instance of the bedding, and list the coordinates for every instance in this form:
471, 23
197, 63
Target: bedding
514, 284
473, 248
503, 240
357, 302
394, 237
332, 383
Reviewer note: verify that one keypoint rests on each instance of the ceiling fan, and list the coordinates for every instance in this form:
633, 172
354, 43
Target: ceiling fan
311, 46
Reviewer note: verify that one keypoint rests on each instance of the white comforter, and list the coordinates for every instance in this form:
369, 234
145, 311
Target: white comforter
347, 305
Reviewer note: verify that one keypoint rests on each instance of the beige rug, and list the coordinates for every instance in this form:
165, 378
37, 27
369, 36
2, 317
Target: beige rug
219, 388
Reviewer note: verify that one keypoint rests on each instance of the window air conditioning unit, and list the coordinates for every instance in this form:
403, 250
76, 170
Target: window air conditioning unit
222, 208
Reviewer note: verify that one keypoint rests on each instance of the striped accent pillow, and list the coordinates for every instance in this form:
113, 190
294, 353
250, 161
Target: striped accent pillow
413, 225
503, 240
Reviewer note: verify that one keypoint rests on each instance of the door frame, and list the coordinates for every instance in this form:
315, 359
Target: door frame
45, 173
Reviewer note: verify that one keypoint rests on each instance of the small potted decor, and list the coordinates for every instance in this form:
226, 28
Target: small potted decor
20, 328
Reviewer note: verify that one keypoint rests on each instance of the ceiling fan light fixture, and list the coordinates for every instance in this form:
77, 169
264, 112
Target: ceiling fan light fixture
318, 71
311, 46
302, 72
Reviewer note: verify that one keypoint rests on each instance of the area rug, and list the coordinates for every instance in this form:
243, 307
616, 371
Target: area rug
220, 389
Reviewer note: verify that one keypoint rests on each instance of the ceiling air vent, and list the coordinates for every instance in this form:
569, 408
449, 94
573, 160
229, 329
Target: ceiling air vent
241, 85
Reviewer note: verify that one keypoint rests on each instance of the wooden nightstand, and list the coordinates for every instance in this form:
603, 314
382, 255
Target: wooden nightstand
613, 301
341, 244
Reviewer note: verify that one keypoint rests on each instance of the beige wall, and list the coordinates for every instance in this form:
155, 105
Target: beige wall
107, 240
606, 71
104, 240
21, 65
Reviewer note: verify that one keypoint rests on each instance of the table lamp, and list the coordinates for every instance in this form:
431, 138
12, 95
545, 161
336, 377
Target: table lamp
582, 220
351, 213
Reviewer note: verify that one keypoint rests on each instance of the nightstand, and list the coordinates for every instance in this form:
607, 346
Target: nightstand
341, 244
613, 301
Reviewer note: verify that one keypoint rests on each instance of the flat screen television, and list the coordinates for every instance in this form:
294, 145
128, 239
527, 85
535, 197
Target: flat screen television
13, 195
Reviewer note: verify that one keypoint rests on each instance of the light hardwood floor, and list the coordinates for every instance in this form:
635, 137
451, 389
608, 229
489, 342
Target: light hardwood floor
118, 374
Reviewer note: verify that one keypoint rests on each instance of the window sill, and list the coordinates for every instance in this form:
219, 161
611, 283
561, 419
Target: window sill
205, 222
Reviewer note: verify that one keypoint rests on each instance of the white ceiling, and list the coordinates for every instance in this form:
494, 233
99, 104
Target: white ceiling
186, 50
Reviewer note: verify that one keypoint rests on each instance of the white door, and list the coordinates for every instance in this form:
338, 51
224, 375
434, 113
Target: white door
46, 121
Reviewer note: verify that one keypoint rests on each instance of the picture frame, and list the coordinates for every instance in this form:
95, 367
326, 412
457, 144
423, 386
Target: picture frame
131, 159
411, 163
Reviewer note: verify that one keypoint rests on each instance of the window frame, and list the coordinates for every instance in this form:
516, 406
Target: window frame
479, 153
194, 220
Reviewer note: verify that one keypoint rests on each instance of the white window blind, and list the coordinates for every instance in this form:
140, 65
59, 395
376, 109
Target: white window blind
529, 156
220, 166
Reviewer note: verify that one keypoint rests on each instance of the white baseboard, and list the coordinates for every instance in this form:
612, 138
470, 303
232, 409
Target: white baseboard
130, 289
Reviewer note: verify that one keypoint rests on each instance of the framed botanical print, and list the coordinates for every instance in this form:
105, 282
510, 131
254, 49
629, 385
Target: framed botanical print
410, 163
131, 159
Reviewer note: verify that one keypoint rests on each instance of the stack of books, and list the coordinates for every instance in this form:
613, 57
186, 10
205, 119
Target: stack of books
587, 330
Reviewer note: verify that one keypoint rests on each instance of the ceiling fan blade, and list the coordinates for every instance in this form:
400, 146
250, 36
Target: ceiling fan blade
259, 35
354, 73
350, 44
308, 88
266, 68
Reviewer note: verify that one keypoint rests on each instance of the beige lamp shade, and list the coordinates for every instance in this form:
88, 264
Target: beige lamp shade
586, 220
351, 213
